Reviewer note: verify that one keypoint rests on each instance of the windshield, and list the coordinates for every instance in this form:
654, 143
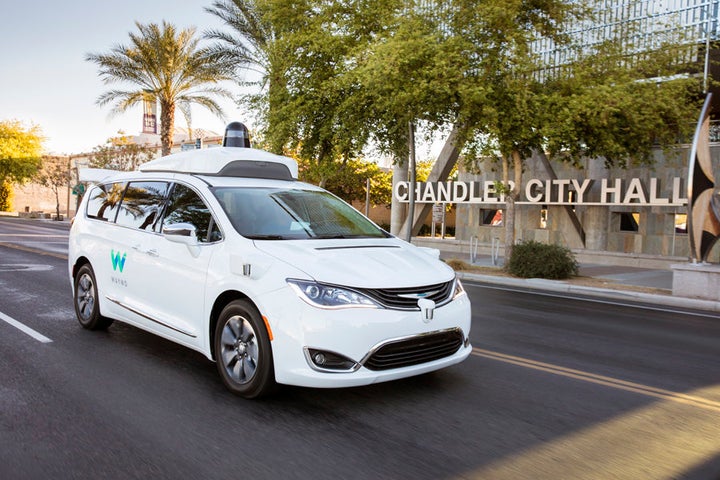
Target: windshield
280, 214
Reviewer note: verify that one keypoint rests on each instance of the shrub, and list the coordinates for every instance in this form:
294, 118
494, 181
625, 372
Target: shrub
539, 260
457, 265
6, 196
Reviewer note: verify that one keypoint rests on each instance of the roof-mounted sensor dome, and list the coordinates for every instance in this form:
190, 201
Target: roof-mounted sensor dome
236, 135
226, 162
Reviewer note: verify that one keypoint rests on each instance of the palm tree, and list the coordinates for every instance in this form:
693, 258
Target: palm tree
167, 65
252, 45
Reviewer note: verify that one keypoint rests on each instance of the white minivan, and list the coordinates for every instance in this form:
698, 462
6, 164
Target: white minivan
224, 251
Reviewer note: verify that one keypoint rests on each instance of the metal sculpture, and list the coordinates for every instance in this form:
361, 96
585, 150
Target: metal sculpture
703, 196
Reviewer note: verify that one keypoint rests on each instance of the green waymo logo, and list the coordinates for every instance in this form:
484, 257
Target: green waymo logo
118, 262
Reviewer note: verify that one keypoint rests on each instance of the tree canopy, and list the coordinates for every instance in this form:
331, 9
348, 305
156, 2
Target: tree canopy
350, 74
20, 151
120, 153
55, 174
167, 65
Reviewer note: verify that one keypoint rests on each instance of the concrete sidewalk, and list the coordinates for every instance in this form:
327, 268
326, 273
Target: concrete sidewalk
623, 275
650, 278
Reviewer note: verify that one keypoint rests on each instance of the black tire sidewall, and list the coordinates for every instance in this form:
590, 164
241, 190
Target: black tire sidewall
264, 379
96, 321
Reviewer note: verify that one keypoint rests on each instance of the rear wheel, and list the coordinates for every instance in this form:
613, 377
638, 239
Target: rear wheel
87, 308
243, 353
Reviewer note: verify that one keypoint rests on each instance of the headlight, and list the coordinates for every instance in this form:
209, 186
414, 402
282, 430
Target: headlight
459, 290
329, 296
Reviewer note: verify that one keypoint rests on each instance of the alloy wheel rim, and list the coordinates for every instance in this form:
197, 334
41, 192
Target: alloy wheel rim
239, 349
85, 296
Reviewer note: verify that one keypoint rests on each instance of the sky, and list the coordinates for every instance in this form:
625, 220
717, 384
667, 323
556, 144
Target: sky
45, 80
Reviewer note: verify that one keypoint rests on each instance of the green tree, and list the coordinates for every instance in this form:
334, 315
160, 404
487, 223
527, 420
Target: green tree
359, 72
166, 65
20, 157
251, 46
55, 175
316, 60
407, 70
598, 104
120, 153
349, 181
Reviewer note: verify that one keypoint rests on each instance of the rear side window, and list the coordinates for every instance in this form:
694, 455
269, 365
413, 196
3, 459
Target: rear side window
105, 200
186, 206
142, 204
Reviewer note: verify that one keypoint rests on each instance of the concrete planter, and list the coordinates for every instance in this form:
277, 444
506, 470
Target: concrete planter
696, 280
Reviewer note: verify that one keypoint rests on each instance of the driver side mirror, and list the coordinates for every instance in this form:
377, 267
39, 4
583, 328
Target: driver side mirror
184, 233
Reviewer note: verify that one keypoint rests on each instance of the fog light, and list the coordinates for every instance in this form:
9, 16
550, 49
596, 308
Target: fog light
324, 360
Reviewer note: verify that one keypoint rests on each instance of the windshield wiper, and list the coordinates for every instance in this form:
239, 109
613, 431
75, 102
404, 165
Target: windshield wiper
266, 237
340, 235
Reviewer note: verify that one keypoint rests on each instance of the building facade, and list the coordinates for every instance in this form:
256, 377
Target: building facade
638, 211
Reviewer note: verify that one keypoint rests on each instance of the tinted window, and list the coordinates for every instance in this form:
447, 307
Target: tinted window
105, 200
186, 206
141, 206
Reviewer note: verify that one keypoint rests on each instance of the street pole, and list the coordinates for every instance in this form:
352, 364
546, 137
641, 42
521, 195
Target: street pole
411, 209
367, 198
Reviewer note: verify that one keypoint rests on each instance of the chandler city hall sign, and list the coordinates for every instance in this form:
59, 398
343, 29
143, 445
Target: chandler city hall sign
619, 192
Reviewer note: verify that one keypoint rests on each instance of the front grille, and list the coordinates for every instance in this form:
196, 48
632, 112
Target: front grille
407, 298
415, 350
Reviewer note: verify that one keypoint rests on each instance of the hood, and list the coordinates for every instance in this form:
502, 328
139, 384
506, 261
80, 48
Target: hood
361, 263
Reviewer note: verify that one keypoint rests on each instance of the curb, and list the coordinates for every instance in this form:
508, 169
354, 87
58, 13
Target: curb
558, 286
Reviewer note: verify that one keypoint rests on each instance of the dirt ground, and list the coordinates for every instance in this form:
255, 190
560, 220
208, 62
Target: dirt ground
577, 280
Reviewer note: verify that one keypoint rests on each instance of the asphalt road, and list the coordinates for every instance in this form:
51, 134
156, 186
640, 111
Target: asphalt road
556, 388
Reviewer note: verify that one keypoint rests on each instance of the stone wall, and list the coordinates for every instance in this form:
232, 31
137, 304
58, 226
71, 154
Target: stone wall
656, 233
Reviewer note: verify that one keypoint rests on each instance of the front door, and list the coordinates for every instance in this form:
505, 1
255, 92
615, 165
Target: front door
174, 276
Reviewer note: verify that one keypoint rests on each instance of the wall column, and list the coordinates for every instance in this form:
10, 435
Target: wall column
596, 219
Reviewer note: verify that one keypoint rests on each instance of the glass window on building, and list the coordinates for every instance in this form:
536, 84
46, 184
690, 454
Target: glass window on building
681, 223
629, 222
543, 216
491, 217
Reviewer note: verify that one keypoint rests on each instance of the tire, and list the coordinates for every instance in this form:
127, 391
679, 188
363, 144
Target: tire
243, 354
87, 307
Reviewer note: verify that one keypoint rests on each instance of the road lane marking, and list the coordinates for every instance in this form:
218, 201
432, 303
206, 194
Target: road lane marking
23, 267
43, 235
25, 329
601, 380
34, 250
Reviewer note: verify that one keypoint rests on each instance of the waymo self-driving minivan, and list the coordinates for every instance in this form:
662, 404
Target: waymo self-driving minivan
224, 251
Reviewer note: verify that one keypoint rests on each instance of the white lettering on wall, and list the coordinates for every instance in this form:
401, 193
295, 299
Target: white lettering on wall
547, 192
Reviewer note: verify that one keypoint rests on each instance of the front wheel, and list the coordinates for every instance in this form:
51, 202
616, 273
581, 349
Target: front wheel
87, 308
243, 353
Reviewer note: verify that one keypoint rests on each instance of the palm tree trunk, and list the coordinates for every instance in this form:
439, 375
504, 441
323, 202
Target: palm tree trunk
167, 125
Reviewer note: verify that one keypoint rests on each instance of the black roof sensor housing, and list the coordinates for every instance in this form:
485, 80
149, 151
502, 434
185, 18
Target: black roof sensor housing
236, 135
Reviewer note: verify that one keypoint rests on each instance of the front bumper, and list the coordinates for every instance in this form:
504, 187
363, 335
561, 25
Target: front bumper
356, 334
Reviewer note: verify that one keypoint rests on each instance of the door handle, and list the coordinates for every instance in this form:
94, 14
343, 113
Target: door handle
152, 252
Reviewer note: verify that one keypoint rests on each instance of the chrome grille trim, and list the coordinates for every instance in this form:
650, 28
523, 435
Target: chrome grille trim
407, 298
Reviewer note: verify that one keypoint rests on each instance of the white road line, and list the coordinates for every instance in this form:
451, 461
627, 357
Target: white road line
34, 235
24, 328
